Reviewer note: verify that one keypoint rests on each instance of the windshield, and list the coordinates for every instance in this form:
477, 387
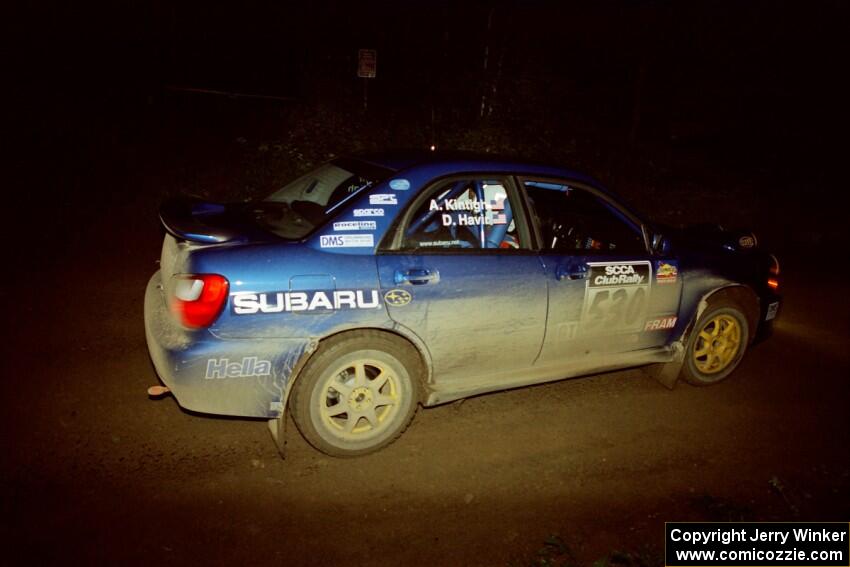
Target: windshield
295, 210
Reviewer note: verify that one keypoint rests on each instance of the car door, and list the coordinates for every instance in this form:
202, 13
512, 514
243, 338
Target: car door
607, 293
462, 276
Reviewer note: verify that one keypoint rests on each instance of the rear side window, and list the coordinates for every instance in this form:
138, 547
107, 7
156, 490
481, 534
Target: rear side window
573, 219
472, 214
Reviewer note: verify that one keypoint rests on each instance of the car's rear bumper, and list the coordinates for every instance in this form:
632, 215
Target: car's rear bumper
238, 377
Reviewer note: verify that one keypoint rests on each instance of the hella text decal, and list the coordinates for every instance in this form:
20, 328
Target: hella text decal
249, 366
315, 301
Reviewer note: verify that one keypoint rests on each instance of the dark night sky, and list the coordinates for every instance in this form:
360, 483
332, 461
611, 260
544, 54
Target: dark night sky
763, 78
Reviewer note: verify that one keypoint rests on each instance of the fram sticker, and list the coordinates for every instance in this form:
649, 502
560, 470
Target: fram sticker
346, 240
400, 184
383, 199
355, 225
666, 272
368, 212
660, 323
249, 366
245, 303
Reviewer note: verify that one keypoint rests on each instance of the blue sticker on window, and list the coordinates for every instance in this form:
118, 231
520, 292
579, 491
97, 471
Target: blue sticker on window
400, 184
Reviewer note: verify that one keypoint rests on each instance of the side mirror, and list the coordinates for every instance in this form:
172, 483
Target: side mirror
659, 243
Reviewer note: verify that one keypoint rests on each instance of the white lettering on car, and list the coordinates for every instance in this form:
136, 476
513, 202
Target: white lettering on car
292, 301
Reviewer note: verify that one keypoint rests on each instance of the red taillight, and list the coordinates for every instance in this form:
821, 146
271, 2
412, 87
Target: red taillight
197, 299
773, 283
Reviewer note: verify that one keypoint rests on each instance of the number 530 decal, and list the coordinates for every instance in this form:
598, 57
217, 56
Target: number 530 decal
617, 297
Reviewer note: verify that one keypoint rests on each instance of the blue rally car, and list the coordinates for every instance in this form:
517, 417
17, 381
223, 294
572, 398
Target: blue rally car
381, 282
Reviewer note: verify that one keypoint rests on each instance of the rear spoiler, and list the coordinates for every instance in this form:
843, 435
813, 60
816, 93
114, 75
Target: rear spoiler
190, 218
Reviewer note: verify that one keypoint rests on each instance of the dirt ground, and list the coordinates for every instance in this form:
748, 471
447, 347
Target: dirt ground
94, 471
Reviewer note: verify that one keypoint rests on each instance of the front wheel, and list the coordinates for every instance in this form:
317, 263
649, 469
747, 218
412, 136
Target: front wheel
716, 345
357, 394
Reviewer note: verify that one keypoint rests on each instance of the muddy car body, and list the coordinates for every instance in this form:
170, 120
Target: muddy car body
382, 282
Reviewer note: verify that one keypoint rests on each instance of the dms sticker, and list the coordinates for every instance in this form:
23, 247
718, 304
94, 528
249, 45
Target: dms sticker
346, 240
383, 199
397, 297
316, 301
250, 366
400, 184
355, 225
368, 212
666, 272
660, 323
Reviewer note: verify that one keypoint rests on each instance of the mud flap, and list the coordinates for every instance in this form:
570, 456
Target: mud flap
277, 427
668, 372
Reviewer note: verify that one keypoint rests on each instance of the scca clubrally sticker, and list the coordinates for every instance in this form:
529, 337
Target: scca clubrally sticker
617, 297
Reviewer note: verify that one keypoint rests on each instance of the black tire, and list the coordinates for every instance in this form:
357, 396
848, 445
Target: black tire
710, 361
357, 394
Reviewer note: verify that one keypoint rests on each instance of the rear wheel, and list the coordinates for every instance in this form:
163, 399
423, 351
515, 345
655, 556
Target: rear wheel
716, 345
357, 394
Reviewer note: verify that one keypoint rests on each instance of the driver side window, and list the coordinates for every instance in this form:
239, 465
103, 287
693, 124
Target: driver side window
466, 213
574, 220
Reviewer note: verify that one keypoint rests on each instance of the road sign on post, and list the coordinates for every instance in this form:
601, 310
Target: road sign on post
367, 67
367, 63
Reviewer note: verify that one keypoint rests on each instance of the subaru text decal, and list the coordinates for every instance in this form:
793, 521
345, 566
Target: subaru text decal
287, 301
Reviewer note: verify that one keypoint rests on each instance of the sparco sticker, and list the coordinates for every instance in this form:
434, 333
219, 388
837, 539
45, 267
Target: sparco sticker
316, 301
383, 199
355, 225
617, 297
368, 212
346, 240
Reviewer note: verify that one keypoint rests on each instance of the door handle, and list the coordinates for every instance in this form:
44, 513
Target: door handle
416, 276
574, 272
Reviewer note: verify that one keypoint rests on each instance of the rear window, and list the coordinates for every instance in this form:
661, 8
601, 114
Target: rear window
300, 207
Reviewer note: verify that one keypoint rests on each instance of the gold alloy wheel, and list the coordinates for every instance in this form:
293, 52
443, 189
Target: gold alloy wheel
359, 400
717, 344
